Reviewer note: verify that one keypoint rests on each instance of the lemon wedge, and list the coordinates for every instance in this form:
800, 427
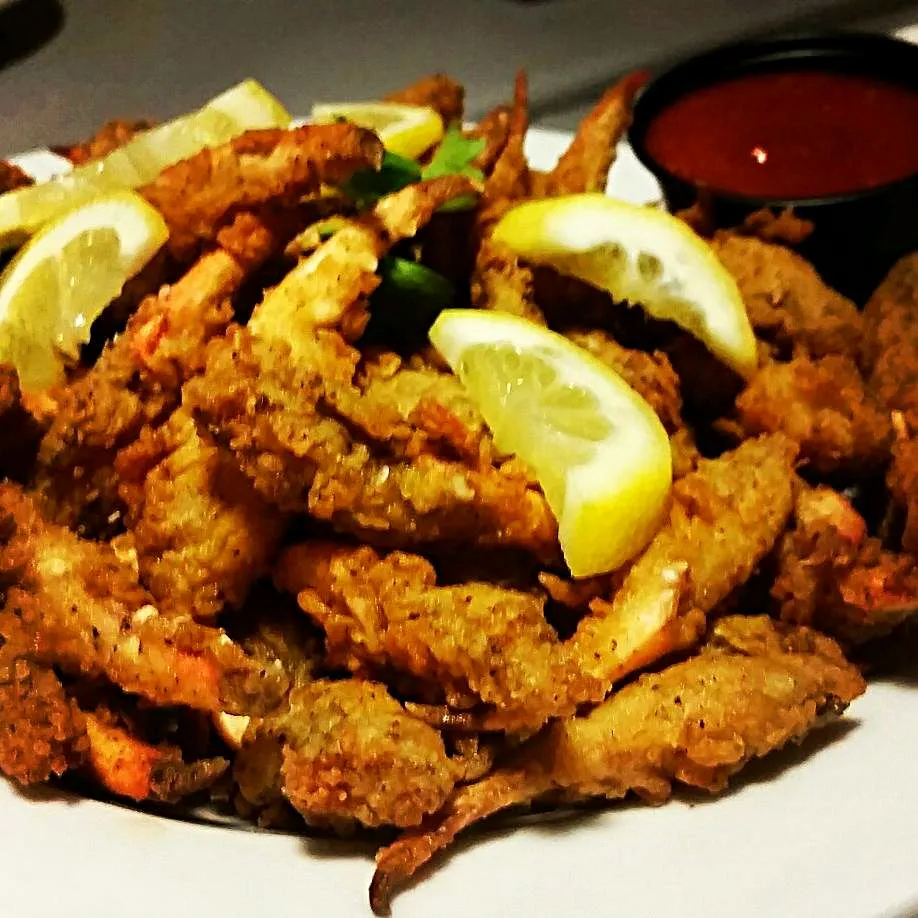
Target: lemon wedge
640, 255
63, 278
598, 449
407, 130
245, 106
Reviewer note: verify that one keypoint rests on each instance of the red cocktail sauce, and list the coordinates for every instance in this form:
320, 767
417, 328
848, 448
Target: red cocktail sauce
790, 134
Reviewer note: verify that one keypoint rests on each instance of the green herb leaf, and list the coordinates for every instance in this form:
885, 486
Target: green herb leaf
367, 187
455, 156
409, 285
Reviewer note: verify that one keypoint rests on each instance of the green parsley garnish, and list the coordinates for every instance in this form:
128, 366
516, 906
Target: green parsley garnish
454, 156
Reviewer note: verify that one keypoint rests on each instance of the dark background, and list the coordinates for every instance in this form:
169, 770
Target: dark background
68, 65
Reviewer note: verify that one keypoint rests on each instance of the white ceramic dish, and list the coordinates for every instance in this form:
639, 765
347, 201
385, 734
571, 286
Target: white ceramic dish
826, 831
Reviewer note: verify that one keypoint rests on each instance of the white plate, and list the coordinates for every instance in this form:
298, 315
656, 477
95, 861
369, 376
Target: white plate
827, 830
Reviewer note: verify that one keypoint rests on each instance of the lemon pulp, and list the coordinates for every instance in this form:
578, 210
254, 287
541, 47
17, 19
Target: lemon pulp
408, 130
243, 107
639, 255
60, 282
598, 450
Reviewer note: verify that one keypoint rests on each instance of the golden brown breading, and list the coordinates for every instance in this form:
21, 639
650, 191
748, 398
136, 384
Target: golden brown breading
823, 405
274, 628
651, 375
12, 177
784, 227
352, 754
890, 343
501, 282
107, 139
685, 452
301, 456
329, 288
466, 644
413, 407
902, 479
136, 381
42, 731
831, 575
724, 519
788, 304
438, 91
756, 687
585, 165
127, 765
493, 128
82, 610
509, 178
198, 195
202, 534
476, 643
890, 361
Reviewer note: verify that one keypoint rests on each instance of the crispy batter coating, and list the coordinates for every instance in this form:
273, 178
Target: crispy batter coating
329, 288
788, 304
756, 687
831, 575
300, 458
438, 91
467, 643
585, 164
651, 375
890, 360
903, 486
686, 454
493, 127
414, 407
136, 381
198, 195
42, 731
277, 404
509, 177
724, 519
84, 611
785, 226
501, 282
890, 343
352, 754
823, 405
107, 139
202, 534
127, 765
477, 643
434, 663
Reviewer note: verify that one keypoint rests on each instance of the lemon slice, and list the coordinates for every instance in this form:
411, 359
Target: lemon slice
640, 255
58, 283
598, 449
245, 106
407, 130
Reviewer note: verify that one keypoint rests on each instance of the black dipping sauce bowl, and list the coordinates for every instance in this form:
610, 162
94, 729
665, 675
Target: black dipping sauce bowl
859, 234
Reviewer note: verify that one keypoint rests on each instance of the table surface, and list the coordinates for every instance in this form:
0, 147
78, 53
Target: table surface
68, 65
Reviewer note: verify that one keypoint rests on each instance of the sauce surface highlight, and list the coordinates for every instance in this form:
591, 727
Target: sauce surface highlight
790, 134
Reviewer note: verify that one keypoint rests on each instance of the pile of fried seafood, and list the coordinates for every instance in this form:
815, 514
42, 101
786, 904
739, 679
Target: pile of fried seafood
260, 547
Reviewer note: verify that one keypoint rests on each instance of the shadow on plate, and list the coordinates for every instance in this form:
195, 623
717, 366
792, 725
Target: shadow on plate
27, 25
893, 660
542, 817
774, 765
